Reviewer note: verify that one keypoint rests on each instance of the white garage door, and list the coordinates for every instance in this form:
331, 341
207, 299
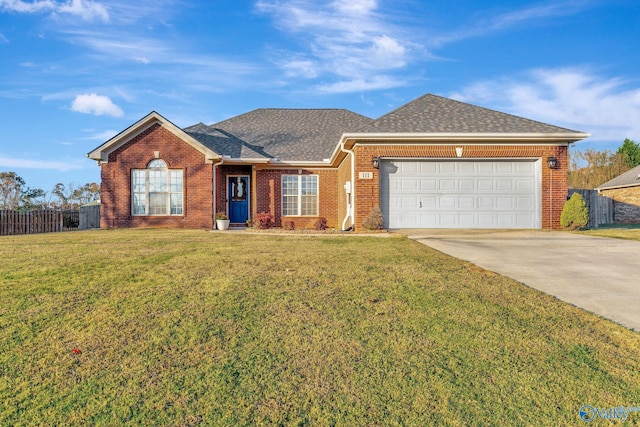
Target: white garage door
461, 194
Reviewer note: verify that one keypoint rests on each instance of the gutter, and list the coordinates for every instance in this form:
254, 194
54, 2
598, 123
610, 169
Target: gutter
214, 202
350, 196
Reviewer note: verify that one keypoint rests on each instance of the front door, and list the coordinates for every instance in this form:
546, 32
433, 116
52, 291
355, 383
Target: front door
238, 196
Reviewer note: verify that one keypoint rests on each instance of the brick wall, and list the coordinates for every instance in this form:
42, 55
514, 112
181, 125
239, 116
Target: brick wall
136, 154
626, 204
269, 195
554, 182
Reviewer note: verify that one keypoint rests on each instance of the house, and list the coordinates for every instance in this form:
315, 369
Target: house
432, 163
624, 190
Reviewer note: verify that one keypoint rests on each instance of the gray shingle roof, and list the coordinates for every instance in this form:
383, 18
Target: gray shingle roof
285, 134
435, 114
627, 179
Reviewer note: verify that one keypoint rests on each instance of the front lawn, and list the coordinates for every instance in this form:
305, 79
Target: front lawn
616, 231
182, 327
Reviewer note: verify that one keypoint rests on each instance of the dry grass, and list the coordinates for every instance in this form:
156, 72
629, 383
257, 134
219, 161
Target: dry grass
616, 231
179, 327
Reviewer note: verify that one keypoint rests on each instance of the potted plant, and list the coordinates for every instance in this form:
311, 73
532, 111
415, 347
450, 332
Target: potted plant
222, 221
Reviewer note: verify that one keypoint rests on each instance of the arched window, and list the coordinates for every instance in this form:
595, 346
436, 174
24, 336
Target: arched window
157, 190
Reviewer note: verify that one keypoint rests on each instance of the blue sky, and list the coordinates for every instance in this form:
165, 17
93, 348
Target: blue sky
75, 72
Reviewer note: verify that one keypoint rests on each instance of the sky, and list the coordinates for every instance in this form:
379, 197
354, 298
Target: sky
73, 73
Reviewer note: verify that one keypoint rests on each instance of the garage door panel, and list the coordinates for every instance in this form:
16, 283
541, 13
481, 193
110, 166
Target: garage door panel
465, 184
460, 193
447, 184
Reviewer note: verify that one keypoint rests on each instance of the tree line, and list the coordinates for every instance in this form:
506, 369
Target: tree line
16, 195
590, 168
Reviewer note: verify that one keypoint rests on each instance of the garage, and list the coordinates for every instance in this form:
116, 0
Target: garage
504, 193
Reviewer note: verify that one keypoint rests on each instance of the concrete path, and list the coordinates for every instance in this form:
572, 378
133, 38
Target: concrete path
598, 274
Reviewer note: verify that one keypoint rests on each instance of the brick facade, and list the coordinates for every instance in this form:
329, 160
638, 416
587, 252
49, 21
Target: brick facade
268, 187
626, 204
554, 182
136, 154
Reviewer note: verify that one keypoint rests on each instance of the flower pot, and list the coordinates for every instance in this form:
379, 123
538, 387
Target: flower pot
222, 224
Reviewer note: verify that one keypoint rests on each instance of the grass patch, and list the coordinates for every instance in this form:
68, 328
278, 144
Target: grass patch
182, 327
616, 231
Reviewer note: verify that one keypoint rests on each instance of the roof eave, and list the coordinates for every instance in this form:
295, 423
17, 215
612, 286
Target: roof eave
469, 137
349, 140
615, 187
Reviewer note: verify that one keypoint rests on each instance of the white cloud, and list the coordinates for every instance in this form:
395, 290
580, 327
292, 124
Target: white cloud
13, 162
608, 108
359, 85
512, 19
88, 10
102, 136
3, 39
350, 39
91, 103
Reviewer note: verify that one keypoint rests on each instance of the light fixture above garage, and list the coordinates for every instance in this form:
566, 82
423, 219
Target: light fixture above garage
552, 162
375, 162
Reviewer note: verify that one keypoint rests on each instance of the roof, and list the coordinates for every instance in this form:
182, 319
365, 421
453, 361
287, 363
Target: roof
283, 134
313, 135
630, 178
435, 114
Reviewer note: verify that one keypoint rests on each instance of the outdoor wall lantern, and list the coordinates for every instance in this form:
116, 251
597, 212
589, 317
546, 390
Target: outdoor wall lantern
375, 161
552, 162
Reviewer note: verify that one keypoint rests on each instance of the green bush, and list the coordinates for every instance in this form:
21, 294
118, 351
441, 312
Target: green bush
575, 214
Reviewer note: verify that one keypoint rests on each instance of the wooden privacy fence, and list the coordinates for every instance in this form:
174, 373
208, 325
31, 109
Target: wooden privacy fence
89, 217
600, 207
30, 222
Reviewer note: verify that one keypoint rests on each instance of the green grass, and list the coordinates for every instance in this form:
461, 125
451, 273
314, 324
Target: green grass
181, 327
616, 231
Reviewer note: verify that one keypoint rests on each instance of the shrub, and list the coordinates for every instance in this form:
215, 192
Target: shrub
264, 220
320, 224
249, 222
575, 214
221, 215
289, 225
374, 220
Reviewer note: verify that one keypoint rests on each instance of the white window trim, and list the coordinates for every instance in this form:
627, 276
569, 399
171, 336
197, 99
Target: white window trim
299, 195
147, 193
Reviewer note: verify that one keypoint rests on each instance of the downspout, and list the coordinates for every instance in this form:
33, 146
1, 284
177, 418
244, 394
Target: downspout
215, 191
349, 195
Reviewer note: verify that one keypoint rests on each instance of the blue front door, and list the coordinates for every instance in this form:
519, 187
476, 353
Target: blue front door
238, 196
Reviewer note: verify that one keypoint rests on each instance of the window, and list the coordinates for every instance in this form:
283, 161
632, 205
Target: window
300, 195
156, 190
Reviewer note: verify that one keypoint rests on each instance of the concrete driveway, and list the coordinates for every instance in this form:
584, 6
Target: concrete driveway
598, 274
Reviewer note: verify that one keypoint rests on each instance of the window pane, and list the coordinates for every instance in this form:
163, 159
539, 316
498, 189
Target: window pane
157, 163
139, 201
157, 203
309, 205
176, 181
289, 205
139, 181
176, 204
157, 181
309, 185
289, 185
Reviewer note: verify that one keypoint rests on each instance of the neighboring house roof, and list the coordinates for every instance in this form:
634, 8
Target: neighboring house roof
435, 114
283, 134
630, 178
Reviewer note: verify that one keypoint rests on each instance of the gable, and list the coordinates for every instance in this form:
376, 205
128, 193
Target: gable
101, 153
